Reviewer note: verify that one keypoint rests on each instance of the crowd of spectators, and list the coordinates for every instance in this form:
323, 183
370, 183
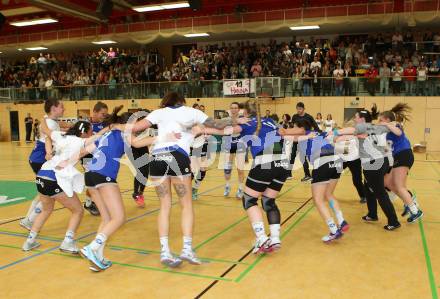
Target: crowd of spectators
375, 64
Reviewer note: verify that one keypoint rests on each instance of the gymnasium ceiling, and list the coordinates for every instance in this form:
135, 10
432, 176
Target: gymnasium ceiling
69, 18
82, 13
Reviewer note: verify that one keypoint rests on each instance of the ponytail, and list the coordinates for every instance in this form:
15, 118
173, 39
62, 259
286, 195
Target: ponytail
114, 118
369, 116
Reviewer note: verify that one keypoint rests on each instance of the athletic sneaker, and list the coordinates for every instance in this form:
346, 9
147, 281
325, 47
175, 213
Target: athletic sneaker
369, 219
92, 208
170, 260
363, 200
344, 227
391, 227
331, 237
262, 245
69, 247
239, 194
275, 244
140, 200
190, 257
414, 217
227, 191
307, 178
104, 261
26, 223
195, 193
27, 246
87, 253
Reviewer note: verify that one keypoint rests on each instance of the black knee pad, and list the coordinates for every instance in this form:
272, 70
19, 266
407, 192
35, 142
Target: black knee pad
249, 201
271, 209
268, 204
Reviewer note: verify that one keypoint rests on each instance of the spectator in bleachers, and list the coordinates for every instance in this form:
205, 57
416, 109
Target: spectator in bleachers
371, 83
410, 74
396, 73
384, 75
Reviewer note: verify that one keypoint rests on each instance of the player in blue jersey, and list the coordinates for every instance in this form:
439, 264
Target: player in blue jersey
232, 148
269, 172
43, 149
327, 168
99, 113
100, 179
403, 160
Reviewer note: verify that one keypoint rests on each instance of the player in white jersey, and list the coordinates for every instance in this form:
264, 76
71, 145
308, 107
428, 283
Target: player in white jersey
42, 151
170, 165
58, 180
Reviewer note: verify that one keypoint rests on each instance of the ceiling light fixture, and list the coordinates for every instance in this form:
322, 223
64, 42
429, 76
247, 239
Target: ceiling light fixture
33, 22
311, 27
156, 7
104, 42
196, 34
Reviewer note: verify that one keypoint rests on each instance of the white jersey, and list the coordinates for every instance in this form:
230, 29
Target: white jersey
347, 150
52, 125
66, 147
176, 120
67, 177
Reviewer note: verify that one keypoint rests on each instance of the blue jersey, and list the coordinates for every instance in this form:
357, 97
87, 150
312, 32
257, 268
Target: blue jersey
96, 127
398, 143
38, 154
316, 147
109, 150
267, 137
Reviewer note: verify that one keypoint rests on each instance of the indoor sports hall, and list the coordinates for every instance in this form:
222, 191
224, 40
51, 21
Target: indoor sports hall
184, 80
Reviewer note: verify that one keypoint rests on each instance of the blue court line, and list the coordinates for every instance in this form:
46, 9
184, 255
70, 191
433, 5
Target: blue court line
39, 253
85, 236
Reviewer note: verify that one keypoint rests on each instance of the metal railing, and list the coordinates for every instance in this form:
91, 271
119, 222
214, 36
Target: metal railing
290, 87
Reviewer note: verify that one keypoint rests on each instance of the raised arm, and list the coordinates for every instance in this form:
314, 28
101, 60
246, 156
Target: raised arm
393, 128
223, 123
199, 130
292, 131
138, 126
344, 131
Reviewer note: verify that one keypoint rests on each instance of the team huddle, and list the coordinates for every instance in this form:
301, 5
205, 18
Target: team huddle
181, 151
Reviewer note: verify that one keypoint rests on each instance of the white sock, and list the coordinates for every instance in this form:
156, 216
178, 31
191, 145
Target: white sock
413, 208
227, 184
332, 226
100, 253
187, 243
35, 212
339, 217
99, 241
88, 202
32, 207
240, 186
164, 247
259, 229
32, 236
197, 184
275, 232
70, 235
